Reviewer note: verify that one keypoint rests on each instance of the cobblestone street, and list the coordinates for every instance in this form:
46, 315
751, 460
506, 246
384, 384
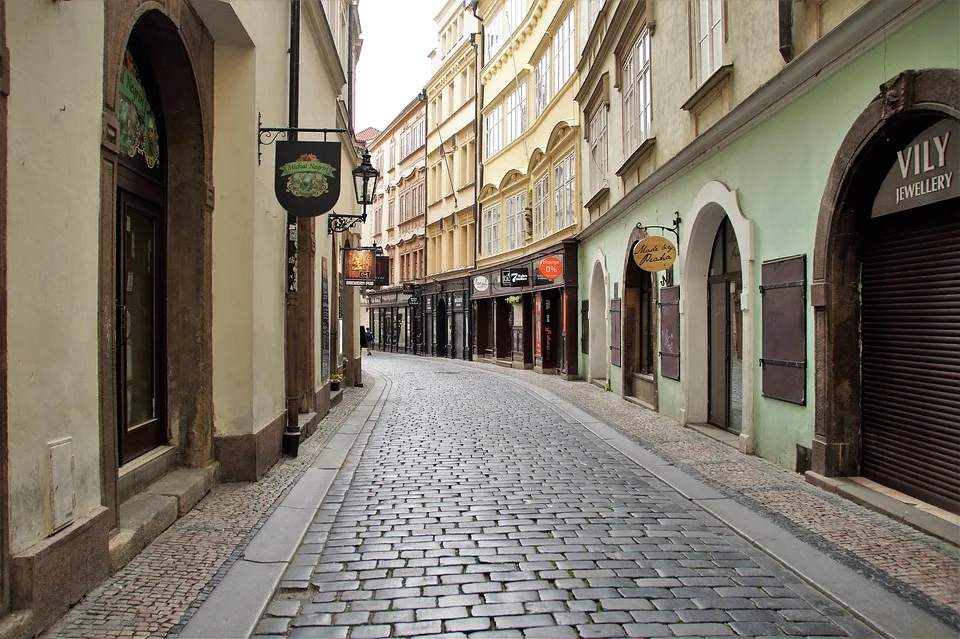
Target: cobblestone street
507, 518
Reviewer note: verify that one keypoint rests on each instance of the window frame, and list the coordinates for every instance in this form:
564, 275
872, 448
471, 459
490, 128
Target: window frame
491, 229
564, 191
513, 220
541, 207
713, 36
494, 139
516, 112
598, 145
564, 52
636, 73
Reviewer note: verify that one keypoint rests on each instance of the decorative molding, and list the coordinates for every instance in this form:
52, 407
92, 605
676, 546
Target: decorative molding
711, 87
510, 47
896, 94
645, 148
597, 197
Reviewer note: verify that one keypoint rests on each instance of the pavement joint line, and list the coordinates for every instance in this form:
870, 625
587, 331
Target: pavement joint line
870, 603
209, 621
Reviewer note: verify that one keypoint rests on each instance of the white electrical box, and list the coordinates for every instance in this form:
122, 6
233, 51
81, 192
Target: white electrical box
62, 496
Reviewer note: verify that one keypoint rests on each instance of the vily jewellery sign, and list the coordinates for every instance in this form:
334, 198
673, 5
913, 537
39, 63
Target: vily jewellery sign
307, 177
923, 172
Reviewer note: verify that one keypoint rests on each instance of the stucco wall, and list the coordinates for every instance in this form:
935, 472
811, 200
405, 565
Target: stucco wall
55, 106
779, 170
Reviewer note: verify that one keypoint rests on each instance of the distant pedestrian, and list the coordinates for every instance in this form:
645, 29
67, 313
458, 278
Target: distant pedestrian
369, 341
365, 339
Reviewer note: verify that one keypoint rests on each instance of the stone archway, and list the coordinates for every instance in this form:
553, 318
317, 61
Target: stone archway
905, 106
181, 55
599, 356
714, 202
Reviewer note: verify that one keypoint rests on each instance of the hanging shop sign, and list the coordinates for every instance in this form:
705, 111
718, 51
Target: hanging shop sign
381, 275
654, 253
413, 301
481, 283
139, 133
457, 302
924, 171
515, 277
548, 270
358, 267
307, 177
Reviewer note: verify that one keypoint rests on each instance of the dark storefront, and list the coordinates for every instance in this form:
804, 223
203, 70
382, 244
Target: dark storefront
525, 312
445, 324
394, 317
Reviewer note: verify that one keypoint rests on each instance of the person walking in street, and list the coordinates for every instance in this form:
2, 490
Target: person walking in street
365, 339
369, 340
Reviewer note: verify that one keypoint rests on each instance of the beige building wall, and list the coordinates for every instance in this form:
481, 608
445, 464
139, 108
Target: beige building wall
451, 145
53, 200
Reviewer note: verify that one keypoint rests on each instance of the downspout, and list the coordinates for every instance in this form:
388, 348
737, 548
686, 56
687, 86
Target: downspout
426, 174
785, 24
293, 120
478, 167
350, 49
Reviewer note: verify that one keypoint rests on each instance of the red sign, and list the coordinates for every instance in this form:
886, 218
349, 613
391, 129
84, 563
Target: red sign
551, 267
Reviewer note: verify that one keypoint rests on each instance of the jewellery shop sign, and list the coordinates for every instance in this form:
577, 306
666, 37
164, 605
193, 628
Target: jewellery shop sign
307, 177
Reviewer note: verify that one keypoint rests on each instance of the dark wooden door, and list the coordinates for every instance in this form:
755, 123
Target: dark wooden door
141, 361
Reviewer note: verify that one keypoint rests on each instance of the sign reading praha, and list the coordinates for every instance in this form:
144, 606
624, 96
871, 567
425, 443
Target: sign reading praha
654, 253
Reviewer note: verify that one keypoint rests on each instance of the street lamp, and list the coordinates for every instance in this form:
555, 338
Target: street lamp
365, 186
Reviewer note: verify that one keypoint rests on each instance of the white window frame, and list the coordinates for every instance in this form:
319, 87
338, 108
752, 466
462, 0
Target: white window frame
514, 221
564, 51
543, 93
493, 131
493, 32
637, 94
598, 148
708, 37
541, 207
517, 112
491, 230
513, 14
593, 10
564, 191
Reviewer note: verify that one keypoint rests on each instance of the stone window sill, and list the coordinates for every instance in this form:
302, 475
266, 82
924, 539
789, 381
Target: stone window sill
705, 92
645, 148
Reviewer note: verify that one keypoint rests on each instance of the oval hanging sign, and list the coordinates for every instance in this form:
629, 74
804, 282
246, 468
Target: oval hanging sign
654, 253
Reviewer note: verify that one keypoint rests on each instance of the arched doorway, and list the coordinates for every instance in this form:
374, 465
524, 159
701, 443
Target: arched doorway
598, 338
441, 327
725, 332
156, 255
639, 329
885, 269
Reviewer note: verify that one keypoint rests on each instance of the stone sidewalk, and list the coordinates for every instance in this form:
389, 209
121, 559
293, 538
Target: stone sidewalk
156, 594
903, 560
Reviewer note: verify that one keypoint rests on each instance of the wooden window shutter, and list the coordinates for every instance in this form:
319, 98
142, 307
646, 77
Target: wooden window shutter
585, 327
783, 359
670, 332
615, 347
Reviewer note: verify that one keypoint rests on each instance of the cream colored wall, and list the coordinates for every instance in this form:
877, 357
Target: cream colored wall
234, 174
53, 219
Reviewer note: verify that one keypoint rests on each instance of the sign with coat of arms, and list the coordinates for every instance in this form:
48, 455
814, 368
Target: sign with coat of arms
307, 179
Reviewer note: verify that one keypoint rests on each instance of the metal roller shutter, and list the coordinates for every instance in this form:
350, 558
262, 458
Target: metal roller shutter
911, 353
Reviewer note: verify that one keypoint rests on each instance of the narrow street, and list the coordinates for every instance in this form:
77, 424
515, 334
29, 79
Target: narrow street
455, 499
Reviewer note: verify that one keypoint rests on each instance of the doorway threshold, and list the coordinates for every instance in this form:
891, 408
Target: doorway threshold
718, 434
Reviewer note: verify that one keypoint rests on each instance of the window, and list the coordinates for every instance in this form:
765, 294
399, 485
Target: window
405, 144
390, 209
515, 10
540, 190
493, 30
563, 192
543, 82
494, 131
563, 53
598, 148
379, 162
637, 112
593, 10
393, 154
515, 220
491, 230
517, 112
708, 24
419, 134
377, 219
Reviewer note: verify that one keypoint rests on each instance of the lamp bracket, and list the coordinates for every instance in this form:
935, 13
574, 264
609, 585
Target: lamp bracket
269, 135
337, 223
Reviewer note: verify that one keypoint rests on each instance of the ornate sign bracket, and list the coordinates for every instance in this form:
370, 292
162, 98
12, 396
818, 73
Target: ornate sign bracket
337, 223
667, 278
269, 135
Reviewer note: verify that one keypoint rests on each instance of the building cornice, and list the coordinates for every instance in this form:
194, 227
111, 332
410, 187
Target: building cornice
518, 37
865, 28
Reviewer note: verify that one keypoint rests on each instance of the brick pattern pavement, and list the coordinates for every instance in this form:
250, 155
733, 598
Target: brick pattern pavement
473, 508
157, 592
907, 562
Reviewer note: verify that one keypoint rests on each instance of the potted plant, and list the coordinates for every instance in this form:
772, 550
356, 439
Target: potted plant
516, 300
335, 380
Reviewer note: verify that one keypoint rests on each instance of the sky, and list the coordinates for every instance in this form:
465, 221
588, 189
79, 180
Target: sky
398, 35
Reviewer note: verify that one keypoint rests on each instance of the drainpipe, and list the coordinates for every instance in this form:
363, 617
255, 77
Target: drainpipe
426, 174
477, 164
293, 119
350, 105
785, 24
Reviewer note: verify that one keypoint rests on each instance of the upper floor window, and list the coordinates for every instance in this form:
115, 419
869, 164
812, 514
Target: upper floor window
564, 182
540, 191
598, 147
491, 230
593, 10
379, 162
543, 82
494, 34
637, 95
563, 53
494, 131
515, 9
377, 219
515, 220
393, 154
390, 208
517, 112
708, 25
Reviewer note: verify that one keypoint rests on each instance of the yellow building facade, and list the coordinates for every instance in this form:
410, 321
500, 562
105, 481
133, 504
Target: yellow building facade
524, 290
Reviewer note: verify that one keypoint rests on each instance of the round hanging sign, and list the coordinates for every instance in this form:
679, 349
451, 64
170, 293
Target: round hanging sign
551, 267
481, 283
654, 253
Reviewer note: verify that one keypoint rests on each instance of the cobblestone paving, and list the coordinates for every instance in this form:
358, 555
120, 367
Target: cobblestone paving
914, 565
157, 592
455, 517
